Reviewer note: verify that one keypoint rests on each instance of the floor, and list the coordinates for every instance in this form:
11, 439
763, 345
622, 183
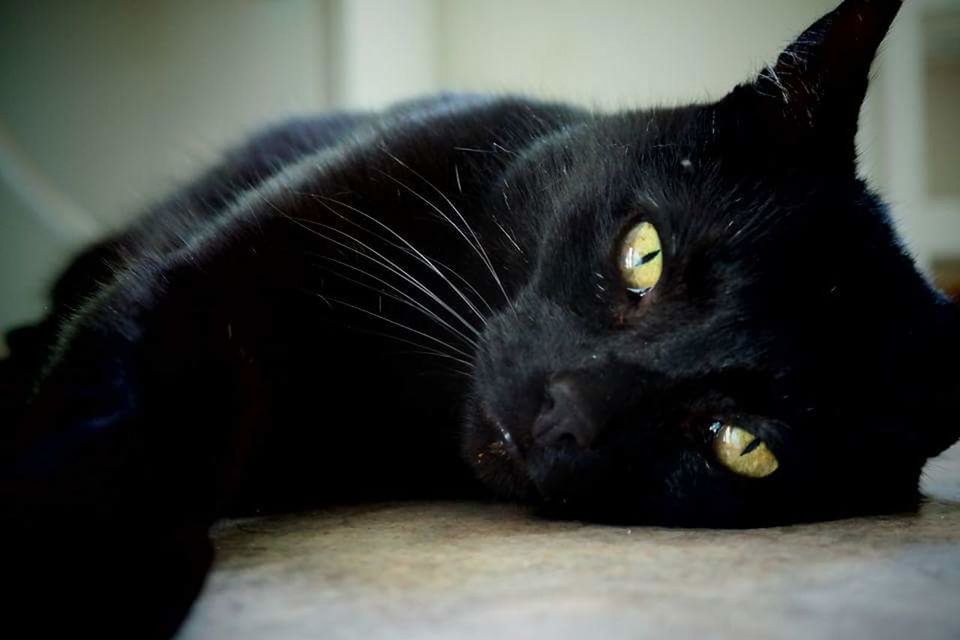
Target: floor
465, 571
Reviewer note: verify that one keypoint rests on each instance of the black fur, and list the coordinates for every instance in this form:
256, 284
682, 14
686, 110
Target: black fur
258, 341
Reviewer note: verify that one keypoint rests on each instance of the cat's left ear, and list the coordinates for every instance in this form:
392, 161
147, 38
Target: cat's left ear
812, 96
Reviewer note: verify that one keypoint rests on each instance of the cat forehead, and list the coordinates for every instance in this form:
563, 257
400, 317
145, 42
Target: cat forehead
678, 169
603, 163
644, 164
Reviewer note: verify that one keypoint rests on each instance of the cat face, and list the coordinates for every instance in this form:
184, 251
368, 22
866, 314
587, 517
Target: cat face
717, 324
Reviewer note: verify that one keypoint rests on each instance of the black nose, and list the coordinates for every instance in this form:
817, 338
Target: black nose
565, 415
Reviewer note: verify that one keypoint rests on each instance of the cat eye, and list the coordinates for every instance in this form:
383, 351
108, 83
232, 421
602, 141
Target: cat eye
742, 452
641, 258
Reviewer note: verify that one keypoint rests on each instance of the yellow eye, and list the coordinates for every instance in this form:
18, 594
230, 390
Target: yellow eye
741, 452
641, 259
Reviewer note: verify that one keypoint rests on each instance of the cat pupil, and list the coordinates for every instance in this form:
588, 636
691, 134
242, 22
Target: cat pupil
645, 259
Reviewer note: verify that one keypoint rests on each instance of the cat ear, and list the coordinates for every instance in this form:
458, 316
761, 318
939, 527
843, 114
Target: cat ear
814, 91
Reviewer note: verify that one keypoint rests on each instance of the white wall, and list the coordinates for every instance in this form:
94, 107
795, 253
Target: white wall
383, 50
615, 53
898, 148
105, 104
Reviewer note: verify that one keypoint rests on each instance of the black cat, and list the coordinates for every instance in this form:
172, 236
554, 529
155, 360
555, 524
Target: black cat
693, 316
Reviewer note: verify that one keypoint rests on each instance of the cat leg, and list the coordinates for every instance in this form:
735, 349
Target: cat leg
121, 462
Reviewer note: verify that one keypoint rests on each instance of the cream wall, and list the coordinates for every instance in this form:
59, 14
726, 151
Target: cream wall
105, 104
898, 149
615, 53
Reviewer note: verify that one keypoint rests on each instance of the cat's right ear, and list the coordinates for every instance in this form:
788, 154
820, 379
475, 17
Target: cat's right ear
809, 101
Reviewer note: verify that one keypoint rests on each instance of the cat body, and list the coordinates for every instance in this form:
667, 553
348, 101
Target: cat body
386, 305
282, 275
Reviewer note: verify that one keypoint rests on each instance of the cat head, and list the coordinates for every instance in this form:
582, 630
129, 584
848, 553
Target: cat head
717, 324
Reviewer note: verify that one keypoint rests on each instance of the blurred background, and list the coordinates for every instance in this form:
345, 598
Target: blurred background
106, 105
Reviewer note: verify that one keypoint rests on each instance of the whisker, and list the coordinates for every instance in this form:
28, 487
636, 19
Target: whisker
383, 261
410, 248
391, 266
479, 246
436, 209
425, 350
406, 298
466, 283
508, 236
398, 324
428, 260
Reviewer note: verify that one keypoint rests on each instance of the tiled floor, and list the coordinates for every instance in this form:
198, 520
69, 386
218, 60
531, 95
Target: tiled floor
493, 572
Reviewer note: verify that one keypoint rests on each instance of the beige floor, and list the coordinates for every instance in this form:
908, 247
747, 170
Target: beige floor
471, 571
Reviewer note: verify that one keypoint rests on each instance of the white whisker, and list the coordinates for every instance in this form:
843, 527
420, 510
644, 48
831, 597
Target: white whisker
399, 324
402, 297
410, 248
426, 350
508, 236
378, 258
478, 247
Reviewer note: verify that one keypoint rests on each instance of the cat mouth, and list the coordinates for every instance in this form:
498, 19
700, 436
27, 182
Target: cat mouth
507, 441
501, 462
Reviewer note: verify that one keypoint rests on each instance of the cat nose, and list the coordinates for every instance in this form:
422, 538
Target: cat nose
565, 415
